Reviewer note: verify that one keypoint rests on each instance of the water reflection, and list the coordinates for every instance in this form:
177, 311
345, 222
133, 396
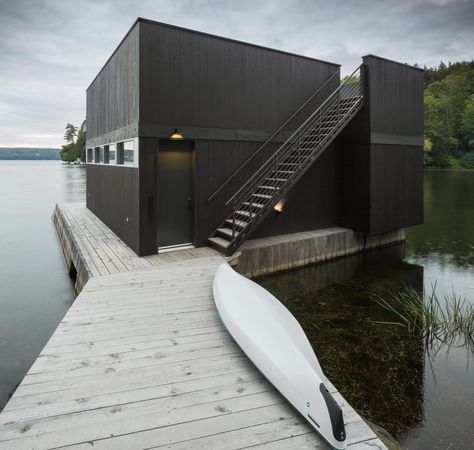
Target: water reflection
446, 239
423, 395
379, 368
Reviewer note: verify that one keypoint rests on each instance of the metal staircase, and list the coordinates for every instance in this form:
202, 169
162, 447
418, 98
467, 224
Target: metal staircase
274, 179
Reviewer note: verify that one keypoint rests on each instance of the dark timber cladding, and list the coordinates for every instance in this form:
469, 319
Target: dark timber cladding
112, 98
191, 79
112, 195
226, 98
381, 151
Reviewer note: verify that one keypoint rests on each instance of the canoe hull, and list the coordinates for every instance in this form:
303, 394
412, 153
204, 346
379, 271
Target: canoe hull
275, 342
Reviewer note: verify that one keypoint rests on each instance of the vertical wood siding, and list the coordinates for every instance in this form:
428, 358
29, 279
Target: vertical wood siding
112, 195
193, 79
396, 98
396, 187
112, 98
147, 195
381, 177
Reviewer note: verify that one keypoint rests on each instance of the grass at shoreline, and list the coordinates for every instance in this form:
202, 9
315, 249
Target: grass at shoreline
446, 320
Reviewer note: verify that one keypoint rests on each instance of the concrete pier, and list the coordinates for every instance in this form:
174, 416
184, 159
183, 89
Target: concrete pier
289, 251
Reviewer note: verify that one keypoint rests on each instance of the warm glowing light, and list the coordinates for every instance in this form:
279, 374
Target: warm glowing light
279, 206
176, 135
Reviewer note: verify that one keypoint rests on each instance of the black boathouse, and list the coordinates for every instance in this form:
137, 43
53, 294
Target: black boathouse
197, 139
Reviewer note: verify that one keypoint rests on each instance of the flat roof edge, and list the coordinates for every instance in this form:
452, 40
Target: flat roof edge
203, 33
155, 22
393, 61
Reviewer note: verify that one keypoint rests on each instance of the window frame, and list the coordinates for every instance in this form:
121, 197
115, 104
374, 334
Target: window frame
133, 150
119, 153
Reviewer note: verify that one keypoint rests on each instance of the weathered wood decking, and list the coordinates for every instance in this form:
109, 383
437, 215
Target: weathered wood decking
94, 250
141, 360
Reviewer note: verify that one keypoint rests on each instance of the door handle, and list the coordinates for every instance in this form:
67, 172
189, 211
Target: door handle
189, 202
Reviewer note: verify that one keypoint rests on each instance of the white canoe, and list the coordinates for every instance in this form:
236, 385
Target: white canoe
275, 342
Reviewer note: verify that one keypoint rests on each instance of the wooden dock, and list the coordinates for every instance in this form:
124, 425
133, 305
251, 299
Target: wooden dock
92, 249
141, 360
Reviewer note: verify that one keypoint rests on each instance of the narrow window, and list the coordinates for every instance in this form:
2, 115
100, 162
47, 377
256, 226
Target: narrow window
128, 153
106, 154
112, 154
90, 155
120, 153
97, 155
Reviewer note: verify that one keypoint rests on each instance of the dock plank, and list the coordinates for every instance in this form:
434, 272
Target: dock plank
141, 360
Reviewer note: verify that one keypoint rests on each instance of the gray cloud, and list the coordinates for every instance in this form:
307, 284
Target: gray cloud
51, 50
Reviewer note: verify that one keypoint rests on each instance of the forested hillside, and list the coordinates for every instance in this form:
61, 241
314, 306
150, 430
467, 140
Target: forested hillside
449, 115
16, 153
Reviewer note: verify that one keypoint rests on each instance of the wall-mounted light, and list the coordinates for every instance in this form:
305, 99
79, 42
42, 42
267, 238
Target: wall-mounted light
176, 135
279, 206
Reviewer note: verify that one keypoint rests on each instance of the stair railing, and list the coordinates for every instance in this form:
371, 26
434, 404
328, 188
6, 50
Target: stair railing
309, 140
273, 135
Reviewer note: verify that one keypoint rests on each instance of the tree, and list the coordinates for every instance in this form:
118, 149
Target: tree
74, 151
80, 145
449, 113
428, 145
67, 153
71, 133
467, 124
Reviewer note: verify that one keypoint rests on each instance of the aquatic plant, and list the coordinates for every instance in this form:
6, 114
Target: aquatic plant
449, 319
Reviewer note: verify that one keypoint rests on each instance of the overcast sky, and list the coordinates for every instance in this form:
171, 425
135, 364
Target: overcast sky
51, 50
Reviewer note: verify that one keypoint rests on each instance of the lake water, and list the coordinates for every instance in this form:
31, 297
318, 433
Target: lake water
424, 400
35, 290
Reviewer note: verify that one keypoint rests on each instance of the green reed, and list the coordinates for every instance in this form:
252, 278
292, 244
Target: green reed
446, 319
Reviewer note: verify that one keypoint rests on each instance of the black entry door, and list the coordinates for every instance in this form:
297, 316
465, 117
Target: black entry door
174, 193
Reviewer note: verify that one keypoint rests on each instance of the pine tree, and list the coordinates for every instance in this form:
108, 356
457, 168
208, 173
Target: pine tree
71, 133
80, 145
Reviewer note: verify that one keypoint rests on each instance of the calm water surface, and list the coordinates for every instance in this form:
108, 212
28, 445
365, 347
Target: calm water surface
424, 397
35, 290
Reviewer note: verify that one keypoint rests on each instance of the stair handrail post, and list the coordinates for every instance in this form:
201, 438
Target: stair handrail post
320, 125
339, 108
298, 147
233, 220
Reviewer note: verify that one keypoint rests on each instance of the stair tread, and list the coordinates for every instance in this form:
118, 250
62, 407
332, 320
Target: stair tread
239, 223
220, 242
228, 232
262, 195
273, 188
281, 180
245, 213
256, 205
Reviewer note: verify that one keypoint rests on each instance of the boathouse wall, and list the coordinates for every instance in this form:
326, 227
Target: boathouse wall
380, 153
113, 96
226, 98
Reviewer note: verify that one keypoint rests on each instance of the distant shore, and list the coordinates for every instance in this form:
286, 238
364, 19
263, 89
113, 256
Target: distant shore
448, 169
29, 154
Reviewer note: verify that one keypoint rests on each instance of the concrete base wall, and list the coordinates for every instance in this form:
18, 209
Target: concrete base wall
285, 252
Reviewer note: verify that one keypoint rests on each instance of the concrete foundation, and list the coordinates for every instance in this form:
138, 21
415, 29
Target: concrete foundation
285, 252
